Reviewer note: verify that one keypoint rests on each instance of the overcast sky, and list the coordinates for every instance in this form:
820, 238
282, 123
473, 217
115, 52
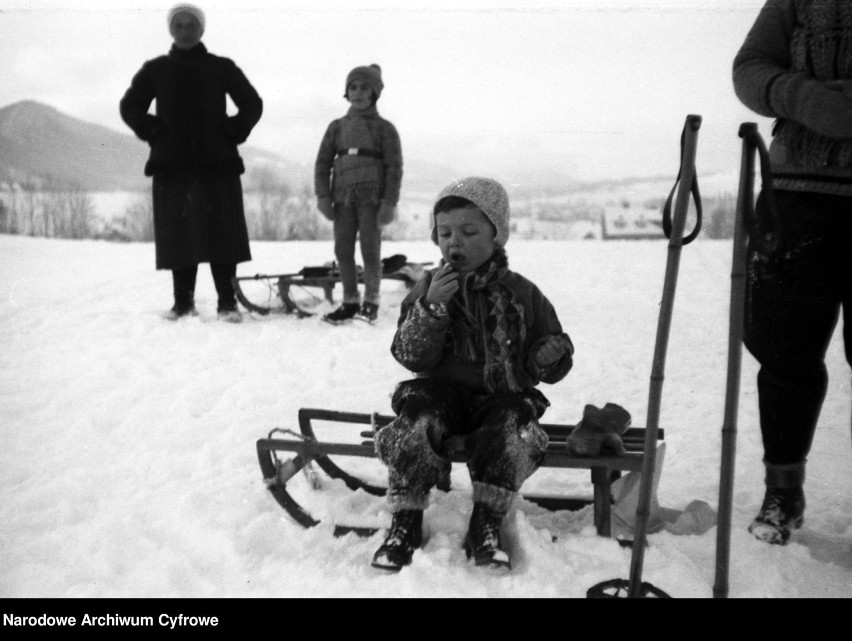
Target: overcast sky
589, 89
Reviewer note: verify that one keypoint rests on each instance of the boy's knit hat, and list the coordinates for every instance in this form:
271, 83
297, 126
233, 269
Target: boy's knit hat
488, 195
371, 74
191, 9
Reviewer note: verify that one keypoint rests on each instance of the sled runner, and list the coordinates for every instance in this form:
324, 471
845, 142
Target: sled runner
308, 448
300, 292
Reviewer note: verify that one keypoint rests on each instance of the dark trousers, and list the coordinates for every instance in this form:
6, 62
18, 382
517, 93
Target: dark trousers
503, 441
793, 302
184, 285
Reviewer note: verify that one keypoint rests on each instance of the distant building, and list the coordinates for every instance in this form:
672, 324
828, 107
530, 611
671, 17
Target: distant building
624, 223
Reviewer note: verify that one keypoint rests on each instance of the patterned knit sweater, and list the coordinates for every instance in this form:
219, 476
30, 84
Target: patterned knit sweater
425, 345
355, 178
789, 37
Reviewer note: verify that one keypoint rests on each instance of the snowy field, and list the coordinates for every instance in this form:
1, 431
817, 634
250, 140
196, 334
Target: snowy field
128, 465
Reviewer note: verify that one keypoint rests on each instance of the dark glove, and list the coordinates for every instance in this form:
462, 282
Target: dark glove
326, 207
156, 133
233, 132
156, 129
600, 431
386, 215
823, 107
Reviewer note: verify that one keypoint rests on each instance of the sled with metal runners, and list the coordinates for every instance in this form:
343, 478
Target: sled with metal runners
306, 449
641, 444
299, 293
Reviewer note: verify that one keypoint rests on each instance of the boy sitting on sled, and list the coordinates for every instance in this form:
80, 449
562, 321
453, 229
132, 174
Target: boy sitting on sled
479, 337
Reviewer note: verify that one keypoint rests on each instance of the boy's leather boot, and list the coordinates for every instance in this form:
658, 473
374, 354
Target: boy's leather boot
783, 505
483, 538
405, 536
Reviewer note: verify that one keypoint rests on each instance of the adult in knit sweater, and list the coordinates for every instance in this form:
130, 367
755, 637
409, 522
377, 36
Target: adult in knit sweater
796, 66
479, 338
197, 192
357, 178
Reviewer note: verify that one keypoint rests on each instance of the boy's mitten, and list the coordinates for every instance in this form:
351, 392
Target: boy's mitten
326, 207
386, 215
600, 431
825, 108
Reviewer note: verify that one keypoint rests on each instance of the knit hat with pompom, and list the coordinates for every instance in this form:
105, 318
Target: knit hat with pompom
371, 74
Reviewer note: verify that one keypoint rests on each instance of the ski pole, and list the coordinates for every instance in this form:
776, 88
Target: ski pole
746, 229
688, 186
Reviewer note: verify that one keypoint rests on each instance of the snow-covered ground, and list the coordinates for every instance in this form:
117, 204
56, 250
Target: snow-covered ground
127, 446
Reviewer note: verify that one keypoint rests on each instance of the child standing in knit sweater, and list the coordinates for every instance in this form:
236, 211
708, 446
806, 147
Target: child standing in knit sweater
357, 178
479, 338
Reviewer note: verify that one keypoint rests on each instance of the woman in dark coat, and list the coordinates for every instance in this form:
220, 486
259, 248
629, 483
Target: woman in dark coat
197, 191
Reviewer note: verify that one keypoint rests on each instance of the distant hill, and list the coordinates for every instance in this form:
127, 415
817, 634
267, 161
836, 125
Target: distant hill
42, 145
39, 144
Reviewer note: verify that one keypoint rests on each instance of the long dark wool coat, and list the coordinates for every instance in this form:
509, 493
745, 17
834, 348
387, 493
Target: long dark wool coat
196, 168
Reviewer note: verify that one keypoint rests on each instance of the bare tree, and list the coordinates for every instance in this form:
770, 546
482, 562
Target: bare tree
29, 203
80, 213
5, 217
302, 220
54, 214
138, 220
12, 224
271, 193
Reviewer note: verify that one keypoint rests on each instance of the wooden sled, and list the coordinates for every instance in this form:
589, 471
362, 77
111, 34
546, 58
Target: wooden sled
308, 449
300, 292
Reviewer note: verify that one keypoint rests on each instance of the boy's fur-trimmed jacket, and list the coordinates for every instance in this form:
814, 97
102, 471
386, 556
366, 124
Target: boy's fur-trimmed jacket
424, 344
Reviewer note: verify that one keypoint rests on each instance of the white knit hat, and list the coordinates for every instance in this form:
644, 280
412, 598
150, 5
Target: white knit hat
488, 195
191, 9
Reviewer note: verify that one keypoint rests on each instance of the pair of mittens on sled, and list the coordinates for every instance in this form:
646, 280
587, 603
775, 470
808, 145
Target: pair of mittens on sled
599, 433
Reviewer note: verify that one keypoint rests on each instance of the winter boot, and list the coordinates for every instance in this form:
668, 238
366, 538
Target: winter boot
180, 310
405, 536
783, 506
341, 314
483, 538
223, 274
229, 313
183, 283
369, 313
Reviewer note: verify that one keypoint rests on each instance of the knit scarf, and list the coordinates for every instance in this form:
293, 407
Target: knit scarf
492, 324
358, 177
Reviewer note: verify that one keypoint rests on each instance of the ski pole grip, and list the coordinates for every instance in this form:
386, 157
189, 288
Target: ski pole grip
764, 233
686, 171
693, 122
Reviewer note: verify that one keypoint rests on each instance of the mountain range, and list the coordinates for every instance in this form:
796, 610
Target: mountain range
42, 146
